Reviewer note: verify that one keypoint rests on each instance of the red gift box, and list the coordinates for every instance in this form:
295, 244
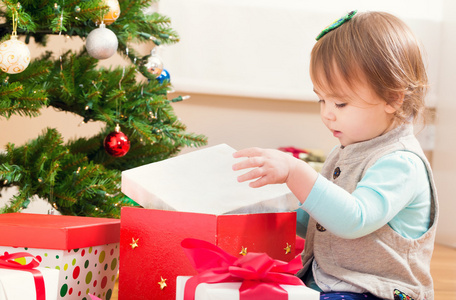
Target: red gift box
56, 232
150, 251
84, 249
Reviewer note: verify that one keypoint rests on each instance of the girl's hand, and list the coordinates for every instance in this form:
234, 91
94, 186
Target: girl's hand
269, 166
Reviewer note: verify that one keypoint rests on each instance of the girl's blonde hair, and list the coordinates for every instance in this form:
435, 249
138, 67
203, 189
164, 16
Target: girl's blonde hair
384, 49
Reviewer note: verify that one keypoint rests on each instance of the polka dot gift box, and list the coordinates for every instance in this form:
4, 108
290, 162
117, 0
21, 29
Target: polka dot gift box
85, 250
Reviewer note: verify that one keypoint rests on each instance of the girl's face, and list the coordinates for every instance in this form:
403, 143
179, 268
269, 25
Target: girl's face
355, 114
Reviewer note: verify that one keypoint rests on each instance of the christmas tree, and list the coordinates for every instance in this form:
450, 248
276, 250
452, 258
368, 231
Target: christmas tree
82, 176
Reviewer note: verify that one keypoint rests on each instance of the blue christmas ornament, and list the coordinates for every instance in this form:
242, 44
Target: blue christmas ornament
163, 76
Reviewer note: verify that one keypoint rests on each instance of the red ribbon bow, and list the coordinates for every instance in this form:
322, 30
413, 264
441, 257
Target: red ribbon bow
260, 275
294, 151
7, 261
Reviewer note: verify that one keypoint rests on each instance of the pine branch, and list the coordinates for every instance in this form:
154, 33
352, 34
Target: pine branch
10, 173
79, 180
10, 91
17, 203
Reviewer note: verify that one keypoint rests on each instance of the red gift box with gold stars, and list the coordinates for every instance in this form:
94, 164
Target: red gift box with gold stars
151, 257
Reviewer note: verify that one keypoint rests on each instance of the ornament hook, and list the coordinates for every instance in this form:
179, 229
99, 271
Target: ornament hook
15, 17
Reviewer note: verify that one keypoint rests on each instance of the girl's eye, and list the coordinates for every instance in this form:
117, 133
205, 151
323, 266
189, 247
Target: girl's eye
340, 105
321, 101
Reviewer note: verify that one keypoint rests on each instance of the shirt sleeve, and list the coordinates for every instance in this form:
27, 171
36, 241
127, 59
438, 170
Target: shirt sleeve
302, 220
389, 186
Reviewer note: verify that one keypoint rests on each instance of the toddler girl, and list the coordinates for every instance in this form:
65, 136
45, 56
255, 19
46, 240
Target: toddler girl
370, 217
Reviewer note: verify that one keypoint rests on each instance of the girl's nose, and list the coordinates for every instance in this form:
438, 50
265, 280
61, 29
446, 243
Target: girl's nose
327, 112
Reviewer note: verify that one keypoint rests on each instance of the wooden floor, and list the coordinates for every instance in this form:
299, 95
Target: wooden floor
443, 269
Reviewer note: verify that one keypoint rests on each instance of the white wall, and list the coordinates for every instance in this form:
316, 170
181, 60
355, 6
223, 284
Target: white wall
245, 122
261, 48
445, 142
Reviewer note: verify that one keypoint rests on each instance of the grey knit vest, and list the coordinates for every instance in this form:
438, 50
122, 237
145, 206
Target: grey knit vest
382, 261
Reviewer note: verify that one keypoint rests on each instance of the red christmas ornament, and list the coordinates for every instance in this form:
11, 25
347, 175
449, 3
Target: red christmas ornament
116, 143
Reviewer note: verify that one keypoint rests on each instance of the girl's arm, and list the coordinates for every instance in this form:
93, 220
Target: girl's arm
394, 191
395, 182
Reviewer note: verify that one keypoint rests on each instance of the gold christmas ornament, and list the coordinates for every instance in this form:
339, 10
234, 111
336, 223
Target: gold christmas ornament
243, 251
113, 14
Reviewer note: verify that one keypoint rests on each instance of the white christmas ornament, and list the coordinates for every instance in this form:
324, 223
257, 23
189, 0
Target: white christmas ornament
14, 56
101, 43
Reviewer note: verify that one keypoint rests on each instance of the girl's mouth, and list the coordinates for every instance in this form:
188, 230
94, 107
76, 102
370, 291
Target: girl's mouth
337, 133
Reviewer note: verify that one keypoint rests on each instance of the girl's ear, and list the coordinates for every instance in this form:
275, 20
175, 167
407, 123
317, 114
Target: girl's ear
396, 104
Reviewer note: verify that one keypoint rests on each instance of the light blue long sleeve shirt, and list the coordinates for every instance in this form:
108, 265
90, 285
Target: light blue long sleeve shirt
394, 191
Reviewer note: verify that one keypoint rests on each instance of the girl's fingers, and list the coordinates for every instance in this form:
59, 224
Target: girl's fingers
262, 181
253, 174
252, 162
249, 152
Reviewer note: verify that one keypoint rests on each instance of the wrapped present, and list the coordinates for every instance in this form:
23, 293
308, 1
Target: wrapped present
222, 276
25, 280
150, 253
230, 291
84, 250
196, 195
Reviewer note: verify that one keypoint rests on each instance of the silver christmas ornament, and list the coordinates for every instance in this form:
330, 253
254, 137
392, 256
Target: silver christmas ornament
154, 65
101, 43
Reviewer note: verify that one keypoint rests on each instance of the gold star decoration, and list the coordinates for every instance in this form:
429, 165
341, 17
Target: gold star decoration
134, 243
287, 249
162, 283
243, 251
